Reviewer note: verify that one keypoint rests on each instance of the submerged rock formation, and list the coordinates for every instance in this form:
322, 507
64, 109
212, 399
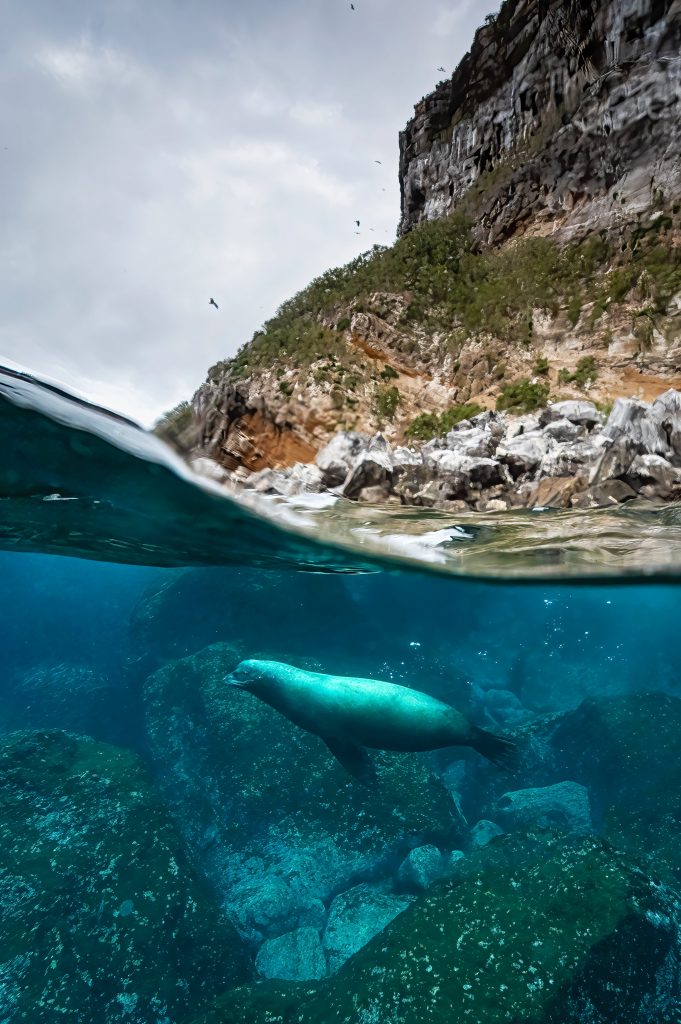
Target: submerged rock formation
102, 917
565, 114
542, 929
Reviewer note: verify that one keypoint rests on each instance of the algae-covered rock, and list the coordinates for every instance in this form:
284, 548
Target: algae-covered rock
541, 931
294, 956
101, 919
275, 822
355, 917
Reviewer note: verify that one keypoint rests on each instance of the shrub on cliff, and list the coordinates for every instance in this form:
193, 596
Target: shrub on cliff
523, 396
430, 424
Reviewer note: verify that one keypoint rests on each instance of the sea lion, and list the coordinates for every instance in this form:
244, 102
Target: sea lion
351, 714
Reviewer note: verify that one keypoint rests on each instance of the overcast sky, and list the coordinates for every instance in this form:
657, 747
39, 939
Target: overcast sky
155, 153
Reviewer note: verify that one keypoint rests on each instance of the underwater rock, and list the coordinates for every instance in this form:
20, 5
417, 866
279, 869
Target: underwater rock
273, 820
102, 918
64, 696
544, 929
420, 868
294, 956
355, 917
483, 832
565, 805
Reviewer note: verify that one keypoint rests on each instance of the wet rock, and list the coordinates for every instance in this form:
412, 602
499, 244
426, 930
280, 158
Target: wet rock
523, 454
420, 868
294, 956
288, 827
570, 458
611, 492
538, 929
474, 442
584, 414
338, 458
103, 919
378, 495
483, 832
372, 468
469, 471
563, 430
666, 409
635, 421
653, 469
564, 805
552, 492
614, 462
355, 917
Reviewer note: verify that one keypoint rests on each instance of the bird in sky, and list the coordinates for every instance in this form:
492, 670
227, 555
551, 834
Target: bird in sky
442, 70
378, 161
352, 7
212, 302
357, 223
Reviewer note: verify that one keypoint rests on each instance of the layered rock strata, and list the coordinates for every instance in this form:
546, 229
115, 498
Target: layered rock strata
563, 114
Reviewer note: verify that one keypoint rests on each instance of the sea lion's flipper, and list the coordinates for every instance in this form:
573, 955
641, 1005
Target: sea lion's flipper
497, 749
355, 759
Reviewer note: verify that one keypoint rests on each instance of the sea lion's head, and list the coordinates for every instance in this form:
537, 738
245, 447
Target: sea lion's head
248, 675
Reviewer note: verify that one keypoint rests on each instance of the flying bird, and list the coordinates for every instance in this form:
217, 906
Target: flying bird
442, 70
357, 223
212, 302
352, 7
377, 161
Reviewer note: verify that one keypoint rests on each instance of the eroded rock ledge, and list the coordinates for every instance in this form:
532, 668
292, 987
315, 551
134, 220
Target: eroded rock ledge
568, 455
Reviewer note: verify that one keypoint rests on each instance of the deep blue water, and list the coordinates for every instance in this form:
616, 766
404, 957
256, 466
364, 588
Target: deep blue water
167, 847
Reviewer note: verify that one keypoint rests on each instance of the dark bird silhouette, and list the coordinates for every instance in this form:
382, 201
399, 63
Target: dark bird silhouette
357, 223
352, 7
377, 161
212, 302
442, 70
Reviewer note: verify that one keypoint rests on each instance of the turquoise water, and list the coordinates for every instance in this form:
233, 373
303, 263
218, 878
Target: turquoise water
174, 852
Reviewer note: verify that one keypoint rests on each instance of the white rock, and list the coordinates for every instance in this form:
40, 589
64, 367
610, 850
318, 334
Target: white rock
583, 413
523, 453
338, 457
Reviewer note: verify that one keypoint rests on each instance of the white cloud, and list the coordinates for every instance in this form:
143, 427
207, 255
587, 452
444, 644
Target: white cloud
166, 152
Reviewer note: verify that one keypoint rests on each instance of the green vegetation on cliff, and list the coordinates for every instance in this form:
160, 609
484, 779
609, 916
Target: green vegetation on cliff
455, 290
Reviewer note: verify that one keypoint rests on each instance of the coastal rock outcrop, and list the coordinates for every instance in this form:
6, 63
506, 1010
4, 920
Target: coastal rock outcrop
569, 454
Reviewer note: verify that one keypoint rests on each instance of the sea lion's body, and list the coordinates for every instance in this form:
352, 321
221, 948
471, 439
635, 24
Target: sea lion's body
350, 713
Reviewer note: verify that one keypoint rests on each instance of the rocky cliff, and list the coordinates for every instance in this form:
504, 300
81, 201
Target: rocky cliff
565, 114
539, 257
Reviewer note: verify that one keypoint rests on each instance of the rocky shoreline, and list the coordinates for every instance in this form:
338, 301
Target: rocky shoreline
567, 455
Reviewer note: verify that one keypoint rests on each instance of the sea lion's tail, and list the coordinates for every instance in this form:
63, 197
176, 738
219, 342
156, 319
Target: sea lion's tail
500, 751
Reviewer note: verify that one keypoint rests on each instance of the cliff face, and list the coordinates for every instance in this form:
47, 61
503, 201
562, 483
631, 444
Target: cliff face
556, 143
565, 114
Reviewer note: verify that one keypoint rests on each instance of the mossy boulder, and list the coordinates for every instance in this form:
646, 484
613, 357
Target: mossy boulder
626, 750
101, 917
275, 822
542, 930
